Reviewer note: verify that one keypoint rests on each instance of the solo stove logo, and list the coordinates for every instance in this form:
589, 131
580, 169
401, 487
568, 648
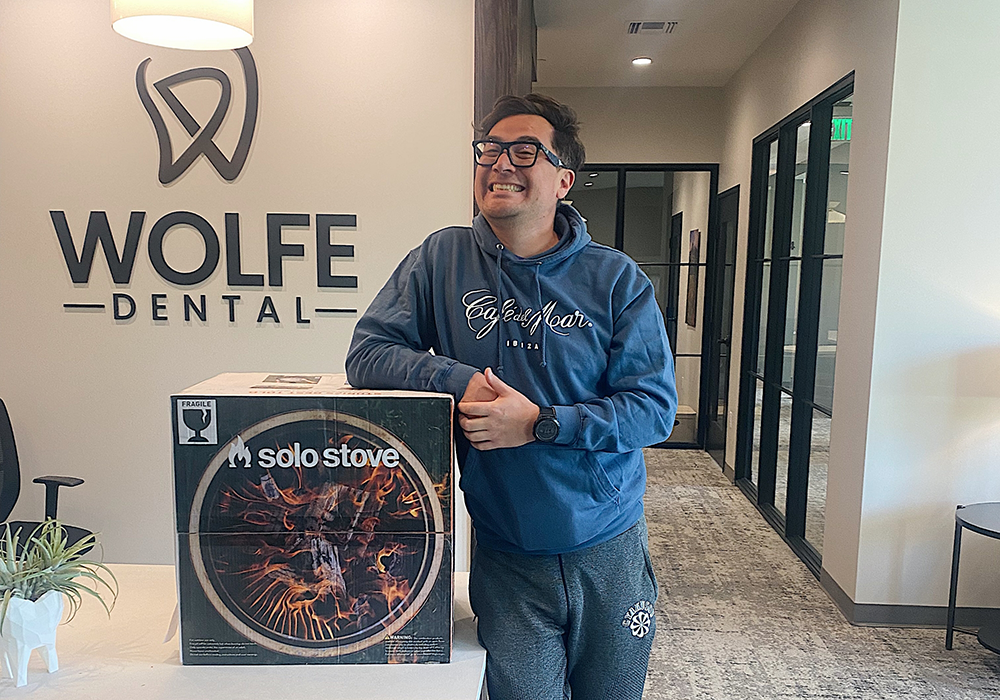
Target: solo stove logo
309, 457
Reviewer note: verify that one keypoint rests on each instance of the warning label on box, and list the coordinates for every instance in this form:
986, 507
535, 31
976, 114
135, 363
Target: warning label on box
196, 424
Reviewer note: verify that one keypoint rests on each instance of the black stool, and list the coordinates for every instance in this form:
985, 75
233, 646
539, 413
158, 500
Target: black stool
983, 518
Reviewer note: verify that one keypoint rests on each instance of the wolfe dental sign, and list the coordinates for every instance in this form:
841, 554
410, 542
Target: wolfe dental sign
222, 240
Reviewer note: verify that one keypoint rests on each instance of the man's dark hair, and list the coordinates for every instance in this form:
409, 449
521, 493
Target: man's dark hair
566, 140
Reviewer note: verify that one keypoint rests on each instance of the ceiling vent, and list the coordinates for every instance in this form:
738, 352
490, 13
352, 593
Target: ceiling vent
652, 27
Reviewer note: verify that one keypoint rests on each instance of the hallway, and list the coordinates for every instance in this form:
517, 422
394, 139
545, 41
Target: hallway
739, 616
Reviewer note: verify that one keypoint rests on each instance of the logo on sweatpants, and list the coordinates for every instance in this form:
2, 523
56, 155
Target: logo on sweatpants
639, 619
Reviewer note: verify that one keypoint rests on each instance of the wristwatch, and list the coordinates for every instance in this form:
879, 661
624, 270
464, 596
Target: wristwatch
546, 426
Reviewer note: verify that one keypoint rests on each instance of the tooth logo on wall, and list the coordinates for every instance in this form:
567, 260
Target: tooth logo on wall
228, 168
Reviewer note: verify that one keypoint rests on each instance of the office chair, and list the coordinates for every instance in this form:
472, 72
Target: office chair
10, 486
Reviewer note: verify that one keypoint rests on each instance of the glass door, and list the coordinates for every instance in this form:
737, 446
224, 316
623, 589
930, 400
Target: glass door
827, 262
795, 249
662, 217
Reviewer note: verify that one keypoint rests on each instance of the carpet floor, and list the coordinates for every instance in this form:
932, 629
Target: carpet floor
740, 617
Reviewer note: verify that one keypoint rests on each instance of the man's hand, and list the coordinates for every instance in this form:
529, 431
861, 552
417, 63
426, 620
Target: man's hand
505, 421
478, 389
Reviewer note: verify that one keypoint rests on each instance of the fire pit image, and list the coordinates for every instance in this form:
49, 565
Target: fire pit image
316, 533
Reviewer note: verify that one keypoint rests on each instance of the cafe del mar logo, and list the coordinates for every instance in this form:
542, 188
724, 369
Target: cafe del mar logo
202, 143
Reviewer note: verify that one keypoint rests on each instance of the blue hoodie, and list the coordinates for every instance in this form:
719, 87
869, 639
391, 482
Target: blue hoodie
577, 328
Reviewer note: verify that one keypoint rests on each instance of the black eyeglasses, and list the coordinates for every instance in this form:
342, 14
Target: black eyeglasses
522, 154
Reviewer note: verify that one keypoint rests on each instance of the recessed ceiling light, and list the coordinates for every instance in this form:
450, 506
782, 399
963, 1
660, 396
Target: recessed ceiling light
588, 184
594, 174
641, 61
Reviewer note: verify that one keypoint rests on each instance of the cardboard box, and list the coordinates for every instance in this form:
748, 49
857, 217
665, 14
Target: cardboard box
314, 522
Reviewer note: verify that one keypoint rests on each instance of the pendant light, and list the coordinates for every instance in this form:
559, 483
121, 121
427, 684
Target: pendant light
201, 25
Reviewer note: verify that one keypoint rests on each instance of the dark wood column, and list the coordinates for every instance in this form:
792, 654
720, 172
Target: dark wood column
504, 51
505, 54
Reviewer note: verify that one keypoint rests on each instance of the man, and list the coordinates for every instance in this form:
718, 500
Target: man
556, 350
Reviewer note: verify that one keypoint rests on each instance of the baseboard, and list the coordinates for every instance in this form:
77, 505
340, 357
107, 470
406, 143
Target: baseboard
926, 616
729, 473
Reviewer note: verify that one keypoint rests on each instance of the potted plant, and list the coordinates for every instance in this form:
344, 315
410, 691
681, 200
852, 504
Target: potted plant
37, 576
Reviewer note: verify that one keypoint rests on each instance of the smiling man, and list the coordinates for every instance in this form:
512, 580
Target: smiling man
556, 351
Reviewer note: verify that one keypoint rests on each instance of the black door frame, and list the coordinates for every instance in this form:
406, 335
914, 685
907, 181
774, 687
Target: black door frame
674, 275
791, 524
716, 296
713, 214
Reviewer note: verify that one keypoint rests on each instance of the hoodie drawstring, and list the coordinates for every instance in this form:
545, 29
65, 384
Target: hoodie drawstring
538, 289
499, 310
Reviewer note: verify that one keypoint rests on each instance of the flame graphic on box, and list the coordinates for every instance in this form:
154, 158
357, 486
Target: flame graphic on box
239, 450
312, 578
317, 576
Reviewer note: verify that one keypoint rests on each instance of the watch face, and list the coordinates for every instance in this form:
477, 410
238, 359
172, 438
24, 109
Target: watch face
546, 429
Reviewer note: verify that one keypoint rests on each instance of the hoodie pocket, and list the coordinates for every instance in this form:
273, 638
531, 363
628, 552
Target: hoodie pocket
600, 476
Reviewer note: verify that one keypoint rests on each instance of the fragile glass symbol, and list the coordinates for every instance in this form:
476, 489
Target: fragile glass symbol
197, 419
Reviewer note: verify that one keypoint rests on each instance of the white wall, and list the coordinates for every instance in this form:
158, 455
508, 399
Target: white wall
647, 125
342, 83
817, 44
691, 196
934, 420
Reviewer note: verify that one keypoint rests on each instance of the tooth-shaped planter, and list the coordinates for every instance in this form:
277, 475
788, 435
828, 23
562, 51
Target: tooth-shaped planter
30, 625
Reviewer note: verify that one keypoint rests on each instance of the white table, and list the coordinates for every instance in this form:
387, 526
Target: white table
125, 657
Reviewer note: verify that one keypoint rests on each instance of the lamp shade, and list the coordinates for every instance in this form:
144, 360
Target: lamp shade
201, 25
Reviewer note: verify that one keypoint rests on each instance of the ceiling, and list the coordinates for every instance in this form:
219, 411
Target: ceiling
585, 43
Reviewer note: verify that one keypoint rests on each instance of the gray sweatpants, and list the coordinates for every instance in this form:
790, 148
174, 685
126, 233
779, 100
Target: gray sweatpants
579, 623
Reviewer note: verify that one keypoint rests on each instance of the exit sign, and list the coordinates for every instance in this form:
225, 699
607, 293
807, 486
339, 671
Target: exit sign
841, 129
